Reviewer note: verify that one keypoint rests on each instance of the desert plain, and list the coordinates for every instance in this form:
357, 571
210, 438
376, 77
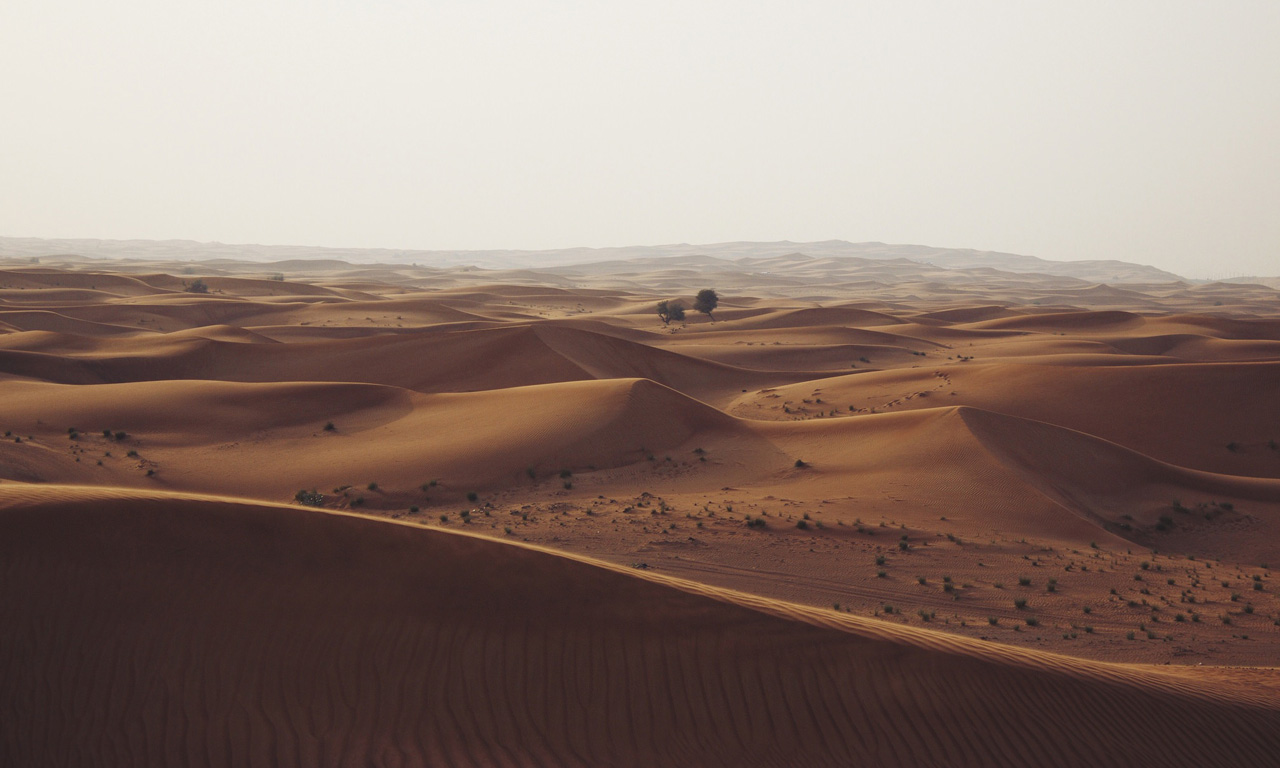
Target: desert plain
869, 510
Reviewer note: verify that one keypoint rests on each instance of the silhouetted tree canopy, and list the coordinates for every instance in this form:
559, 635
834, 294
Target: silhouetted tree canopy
706, 302
670, 310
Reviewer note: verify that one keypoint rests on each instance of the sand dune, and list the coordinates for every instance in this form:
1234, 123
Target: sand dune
874, 511
269, 439
1159, 410
203, 632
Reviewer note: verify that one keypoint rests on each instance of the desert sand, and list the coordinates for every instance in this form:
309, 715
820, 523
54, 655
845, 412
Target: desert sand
869, 511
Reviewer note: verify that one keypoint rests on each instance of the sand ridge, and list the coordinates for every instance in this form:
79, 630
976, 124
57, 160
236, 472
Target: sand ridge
373, 642
867, 510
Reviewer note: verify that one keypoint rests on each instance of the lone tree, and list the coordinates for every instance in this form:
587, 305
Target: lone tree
196, 286
706, 302
670, 310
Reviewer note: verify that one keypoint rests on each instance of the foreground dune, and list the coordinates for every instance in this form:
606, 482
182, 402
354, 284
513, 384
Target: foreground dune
873, 511
152, 629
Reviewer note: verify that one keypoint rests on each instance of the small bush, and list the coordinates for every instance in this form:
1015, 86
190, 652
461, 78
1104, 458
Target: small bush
329, 427
1023, 581
472, 496
309, 498
993, 621
802, 525
1020, 603
372, 486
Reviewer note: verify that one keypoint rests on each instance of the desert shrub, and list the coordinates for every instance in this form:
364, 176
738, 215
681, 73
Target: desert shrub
1020, 603
802, 525
309, 498
881, 574
372, 486
472, 496
993, 621
329, 426
706, 302
1032, 621
670, 310
1024, 581
195, 286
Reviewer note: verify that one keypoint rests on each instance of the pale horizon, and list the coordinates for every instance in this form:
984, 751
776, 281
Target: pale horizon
1142, 133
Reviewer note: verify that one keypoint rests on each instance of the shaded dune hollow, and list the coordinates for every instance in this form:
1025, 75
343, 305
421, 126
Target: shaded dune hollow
155, 629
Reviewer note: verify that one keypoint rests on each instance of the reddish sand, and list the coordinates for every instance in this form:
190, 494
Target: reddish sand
919, 522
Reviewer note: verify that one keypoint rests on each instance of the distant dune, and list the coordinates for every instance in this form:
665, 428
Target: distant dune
898, 507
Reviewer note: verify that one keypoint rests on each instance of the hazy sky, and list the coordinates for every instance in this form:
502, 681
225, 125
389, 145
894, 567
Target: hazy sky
1145, 131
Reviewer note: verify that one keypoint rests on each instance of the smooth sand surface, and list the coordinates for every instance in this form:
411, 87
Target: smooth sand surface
871, 513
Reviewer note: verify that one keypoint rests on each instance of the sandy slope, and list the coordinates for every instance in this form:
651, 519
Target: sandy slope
208, 632
975, 481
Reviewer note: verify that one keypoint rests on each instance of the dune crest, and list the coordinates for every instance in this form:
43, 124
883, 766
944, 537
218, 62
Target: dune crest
202, 631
